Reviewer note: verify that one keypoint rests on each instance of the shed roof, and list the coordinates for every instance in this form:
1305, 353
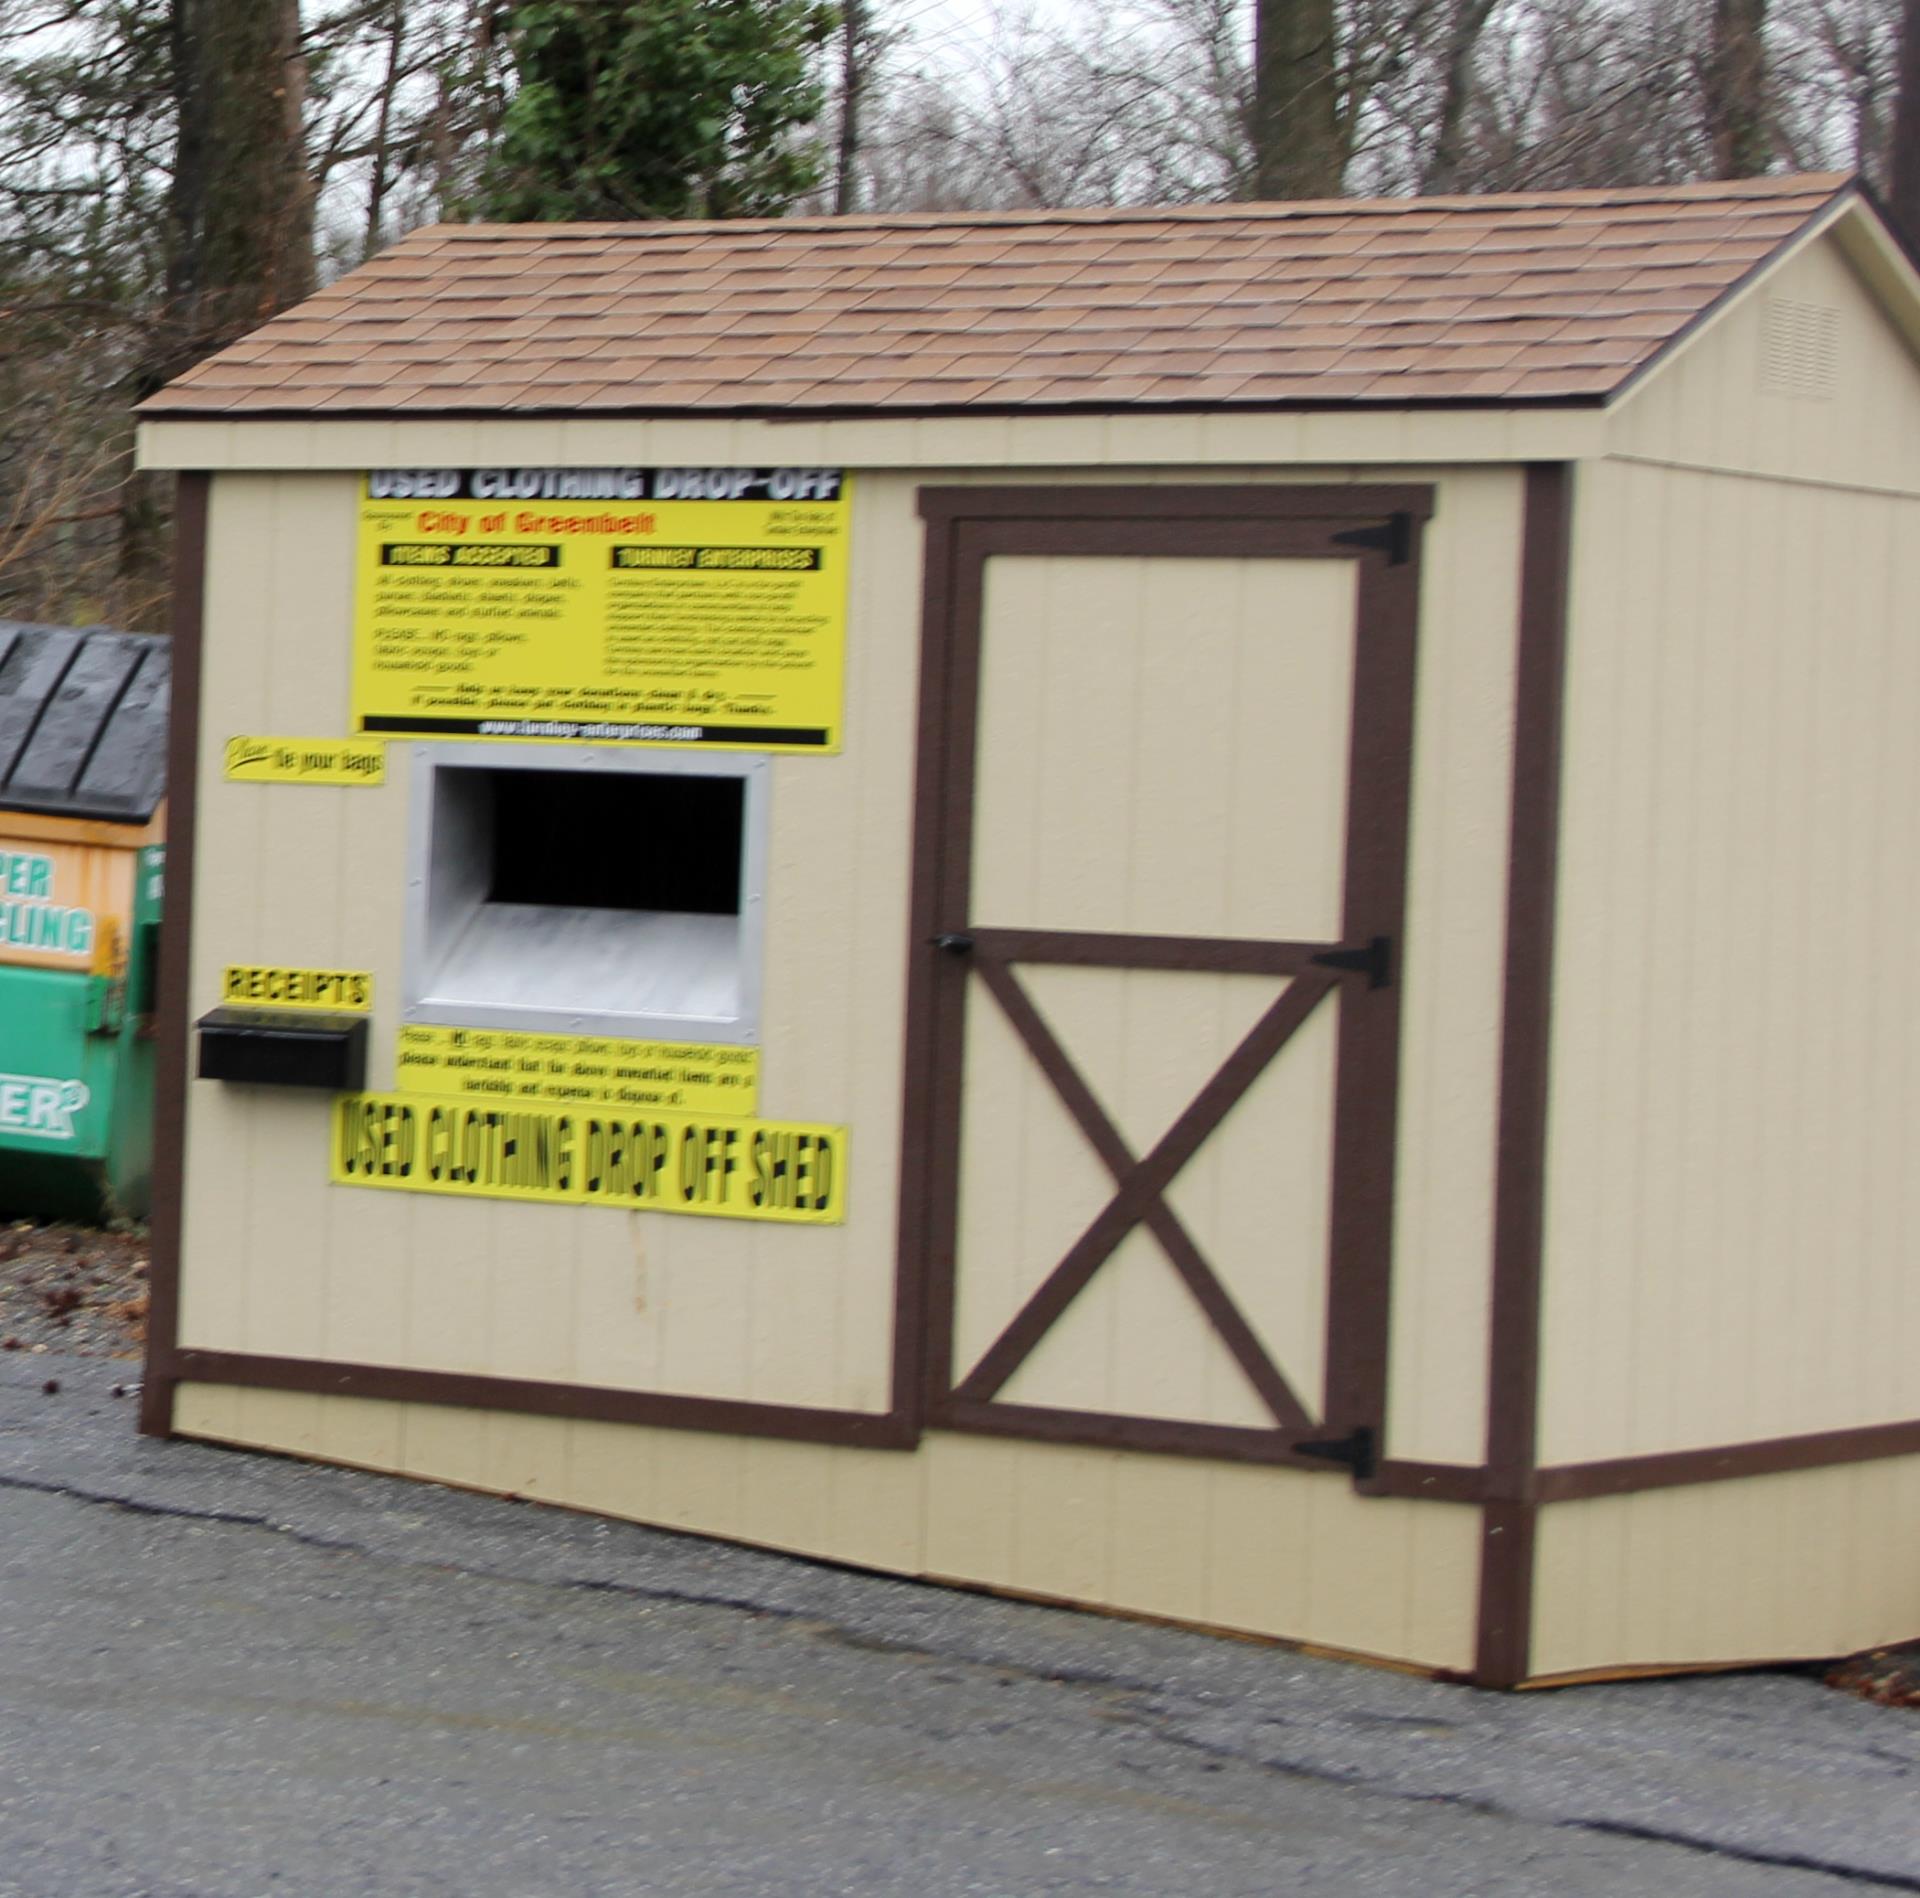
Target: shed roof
1553, 297
83, 721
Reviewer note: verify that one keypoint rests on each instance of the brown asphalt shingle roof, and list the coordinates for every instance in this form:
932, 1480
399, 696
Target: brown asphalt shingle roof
1555, 297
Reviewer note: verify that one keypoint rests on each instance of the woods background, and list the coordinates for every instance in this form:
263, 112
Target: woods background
174, 171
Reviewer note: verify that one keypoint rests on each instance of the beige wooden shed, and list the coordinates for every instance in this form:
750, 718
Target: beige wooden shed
1198, 911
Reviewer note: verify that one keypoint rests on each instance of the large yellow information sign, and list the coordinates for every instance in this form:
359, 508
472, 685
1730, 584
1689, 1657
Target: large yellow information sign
683, 606
592, 1156
512, 1064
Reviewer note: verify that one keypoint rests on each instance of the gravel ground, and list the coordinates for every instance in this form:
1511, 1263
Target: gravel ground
230, 1676
73, 1289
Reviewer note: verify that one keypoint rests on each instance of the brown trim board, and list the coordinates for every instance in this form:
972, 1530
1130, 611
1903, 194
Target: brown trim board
877, 1430
1725, 1463
919, 1338
191, 493
1156, 1211
1140, 1186
1220, 1443
1275, 501
852, 1429
1508, 1522
1366, 1124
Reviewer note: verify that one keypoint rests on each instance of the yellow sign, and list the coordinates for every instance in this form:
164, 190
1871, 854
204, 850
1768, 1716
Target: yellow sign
509, 1064
306, 761
298, 988
592, 1156
684, 606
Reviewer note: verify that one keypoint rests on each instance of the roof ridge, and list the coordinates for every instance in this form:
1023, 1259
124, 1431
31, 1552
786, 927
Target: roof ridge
1824, 185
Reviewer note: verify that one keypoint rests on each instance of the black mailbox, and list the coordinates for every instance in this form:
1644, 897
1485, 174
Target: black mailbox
284, 1047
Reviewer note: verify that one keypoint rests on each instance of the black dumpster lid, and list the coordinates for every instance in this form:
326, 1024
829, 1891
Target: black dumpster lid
83, 721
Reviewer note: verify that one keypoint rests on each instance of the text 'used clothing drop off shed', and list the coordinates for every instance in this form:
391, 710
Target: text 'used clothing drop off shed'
1195, 911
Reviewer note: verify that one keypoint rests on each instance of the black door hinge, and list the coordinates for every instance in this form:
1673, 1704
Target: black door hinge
1356, 1450
1393, 537
1374, 960
954, 945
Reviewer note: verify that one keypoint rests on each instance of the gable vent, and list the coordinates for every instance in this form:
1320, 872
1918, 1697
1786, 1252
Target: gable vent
1799, 349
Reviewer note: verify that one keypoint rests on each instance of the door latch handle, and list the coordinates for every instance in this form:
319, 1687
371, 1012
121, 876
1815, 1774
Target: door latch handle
954, 945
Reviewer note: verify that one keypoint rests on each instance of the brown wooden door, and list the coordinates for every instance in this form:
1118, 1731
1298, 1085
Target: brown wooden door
1160, 861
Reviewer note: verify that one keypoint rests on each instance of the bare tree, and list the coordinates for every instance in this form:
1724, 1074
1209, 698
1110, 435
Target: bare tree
405, 102
1457, 83
163, 167
1583, 92
1298, 148
1872, 58
856, 58
1734, 85
1149, 107
1903, 180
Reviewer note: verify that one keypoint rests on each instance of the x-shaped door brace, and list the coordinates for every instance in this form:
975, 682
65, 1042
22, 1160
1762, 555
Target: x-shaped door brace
1140, 1185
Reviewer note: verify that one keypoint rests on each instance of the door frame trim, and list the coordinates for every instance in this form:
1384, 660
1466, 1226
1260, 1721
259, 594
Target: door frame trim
1378, 527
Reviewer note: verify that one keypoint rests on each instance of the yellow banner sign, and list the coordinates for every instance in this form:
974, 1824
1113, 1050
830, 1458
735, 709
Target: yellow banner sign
306, 761
350, 989
684, 606
592, 1156
510, 1064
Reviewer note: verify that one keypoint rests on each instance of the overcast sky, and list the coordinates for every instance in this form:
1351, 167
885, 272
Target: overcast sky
948, 34
949, 29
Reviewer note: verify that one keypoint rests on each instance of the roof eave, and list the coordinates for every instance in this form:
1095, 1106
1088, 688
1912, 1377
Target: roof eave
761, 412
1874, 244
1847, 203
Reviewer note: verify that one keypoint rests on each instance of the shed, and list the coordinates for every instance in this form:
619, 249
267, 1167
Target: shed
1196, 911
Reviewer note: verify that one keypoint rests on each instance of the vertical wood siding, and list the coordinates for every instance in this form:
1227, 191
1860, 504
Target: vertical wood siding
1775, 1568
282, 1263
1264, 1551
1162, 750
1163, 746
279, 1262
1452, 993
1736, 1045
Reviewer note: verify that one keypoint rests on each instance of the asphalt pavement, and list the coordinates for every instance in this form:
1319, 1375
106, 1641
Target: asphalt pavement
225, 1675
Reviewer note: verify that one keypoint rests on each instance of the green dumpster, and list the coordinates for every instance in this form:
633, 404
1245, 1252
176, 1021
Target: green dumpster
83, 724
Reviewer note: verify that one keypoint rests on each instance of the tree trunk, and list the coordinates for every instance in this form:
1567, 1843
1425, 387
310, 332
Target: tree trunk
1736, 87
239, 230
1296, 103
853, 85
379, 179
1903, 168
1456, 95
241, 207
